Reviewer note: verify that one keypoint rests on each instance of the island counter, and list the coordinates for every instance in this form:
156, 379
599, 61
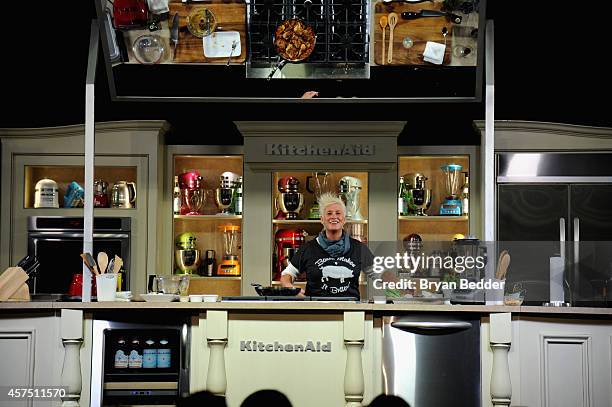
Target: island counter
317, 353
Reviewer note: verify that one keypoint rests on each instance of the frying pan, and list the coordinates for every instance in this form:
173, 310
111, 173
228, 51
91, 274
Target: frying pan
275, 291
279, 40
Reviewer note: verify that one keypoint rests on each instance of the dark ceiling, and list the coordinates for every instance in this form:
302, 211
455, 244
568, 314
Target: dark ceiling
551, 65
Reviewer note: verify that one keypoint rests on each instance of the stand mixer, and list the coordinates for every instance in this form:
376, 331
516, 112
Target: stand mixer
452, 202
418, 196
186, 254
321, 186
287, 242
289, 201
224, 195
350, 187
192, 192
229, 266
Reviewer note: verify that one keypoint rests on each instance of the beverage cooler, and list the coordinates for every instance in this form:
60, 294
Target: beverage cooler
139, 364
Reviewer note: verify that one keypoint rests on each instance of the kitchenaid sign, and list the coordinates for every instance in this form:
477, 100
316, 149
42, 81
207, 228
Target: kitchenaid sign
280, 149
276, 346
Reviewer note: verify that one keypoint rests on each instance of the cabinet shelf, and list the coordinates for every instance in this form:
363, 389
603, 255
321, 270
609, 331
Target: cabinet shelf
224, 278
310, 221
208, 217
434, 218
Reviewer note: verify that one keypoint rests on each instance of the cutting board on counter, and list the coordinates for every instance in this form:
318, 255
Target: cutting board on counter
420, 30
231, 16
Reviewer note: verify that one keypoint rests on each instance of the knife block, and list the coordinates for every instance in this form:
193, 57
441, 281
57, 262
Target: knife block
13, 285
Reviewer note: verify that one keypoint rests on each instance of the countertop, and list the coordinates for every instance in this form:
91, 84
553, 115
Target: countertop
299, 307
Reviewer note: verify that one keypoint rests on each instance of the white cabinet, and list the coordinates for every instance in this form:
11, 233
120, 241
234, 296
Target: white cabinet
32, 353
561, 363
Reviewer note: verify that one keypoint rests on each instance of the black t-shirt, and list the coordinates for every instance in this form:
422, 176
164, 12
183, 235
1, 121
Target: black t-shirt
328, 276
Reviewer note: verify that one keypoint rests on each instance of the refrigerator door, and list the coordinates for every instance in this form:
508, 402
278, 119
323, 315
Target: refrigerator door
591, 221
532, 220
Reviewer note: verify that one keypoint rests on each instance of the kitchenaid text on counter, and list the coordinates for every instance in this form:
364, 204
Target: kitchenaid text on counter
309, 346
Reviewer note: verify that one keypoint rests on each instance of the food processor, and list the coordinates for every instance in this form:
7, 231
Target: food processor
229, 266
186, 254
452, 201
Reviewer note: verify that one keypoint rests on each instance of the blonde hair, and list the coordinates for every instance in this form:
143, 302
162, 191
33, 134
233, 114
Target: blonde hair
327, 199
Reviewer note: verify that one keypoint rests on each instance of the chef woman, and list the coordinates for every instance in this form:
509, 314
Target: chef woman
333, 261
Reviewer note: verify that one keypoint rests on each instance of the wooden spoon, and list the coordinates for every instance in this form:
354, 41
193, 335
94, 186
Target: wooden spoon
392, 24
383, 25
502, 265
90, 263
117, 264
102, 261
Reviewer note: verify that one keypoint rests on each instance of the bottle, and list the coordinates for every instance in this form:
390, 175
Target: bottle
149, 355
135, 357
164, 356
238, 197
121, 354
176, 197
401, 203
465, 195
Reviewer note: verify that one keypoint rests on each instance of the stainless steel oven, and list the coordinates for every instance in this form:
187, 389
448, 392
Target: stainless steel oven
432, 360
57, 242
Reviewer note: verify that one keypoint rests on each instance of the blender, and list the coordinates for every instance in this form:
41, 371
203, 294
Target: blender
224, 195
287, 242
191, 184
452, 202
229, 266
321, 186
290, 201
186, 254
350, 187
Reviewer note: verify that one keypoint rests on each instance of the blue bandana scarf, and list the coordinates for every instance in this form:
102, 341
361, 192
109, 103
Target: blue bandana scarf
335, 248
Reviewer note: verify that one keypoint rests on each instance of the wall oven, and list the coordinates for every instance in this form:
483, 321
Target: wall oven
57, 242
557, 204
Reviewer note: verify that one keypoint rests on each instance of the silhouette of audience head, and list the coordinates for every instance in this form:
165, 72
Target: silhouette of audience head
201, 399
266, 398
387, 400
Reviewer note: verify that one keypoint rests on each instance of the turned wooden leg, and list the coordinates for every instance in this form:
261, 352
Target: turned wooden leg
216, 337
216, 381
71, 330
353, 374
500, 338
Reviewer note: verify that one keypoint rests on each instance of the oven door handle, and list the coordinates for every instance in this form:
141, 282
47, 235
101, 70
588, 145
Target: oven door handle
429, 326
95, 235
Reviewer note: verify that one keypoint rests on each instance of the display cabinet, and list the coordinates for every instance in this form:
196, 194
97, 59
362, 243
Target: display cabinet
206, 212
296, 216
434, 200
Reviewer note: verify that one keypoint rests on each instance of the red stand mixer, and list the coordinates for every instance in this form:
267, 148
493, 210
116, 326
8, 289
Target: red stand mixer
286, 242
192, 192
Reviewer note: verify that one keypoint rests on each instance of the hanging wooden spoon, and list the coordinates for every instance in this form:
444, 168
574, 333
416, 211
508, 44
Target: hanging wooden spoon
102, 261
383, 24
392, 23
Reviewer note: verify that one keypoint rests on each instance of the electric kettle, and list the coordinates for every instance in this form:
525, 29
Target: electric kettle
123, 194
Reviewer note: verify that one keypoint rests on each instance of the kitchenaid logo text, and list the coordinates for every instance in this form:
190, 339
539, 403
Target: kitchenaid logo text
311, 149
309, 346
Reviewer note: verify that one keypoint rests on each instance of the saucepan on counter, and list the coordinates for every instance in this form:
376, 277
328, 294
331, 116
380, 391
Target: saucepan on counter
276, 291
294, 40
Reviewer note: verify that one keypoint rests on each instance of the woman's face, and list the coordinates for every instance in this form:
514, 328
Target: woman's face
333, 217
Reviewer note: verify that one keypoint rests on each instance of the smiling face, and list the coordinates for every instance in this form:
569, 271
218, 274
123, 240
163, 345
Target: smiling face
333, 218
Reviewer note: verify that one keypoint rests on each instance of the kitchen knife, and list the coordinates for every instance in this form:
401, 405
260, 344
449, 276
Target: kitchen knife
174, 33
413, 15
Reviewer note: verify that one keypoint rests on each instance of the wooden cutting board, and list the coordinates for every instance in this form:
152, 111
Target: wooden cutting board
231, 16
420, 30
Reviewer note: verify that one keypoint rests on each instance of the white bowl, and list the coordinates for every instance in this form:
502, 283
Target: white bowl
159, 297
210, 297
